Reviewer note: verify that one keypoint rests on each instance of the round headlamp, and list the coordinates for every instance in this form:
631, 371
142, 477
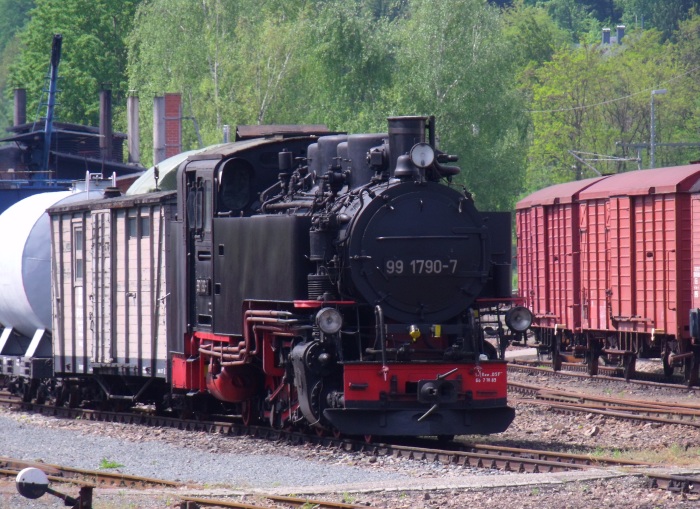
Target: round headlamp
329, 320
519, 318
422, 155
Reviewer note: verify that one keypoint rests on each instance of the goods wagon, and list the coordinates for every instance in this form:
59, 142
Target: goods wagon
610, 267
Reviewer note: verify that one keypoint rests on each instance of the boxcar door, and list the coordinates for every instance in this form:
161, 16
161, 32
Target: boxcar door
101, 296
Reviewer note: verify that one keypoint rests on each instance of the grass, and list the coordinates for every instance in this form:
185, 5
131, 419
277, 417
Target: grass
674, 454
106, 464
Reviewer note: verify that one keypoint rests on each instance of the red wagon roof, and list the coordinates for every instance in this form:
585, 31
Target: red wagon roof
675, 179
559, 193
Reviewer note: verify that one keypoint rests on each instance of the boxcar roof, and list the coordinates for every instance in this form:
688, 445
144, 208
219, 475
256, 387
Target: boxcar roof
559, 193
675, 179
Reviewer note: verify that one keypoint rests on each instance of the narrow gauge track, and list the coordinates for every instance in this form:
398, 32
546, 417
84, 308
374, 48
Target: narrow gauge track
510, 459
629, 409
470, 455
195, 503
94, 478
10, 467
654, 380
467, 455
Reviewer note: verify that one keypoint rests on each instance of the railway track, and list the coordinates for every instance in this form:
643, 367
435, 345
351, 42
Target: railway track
93, 478
279, 502
573, 370
510, 459
10, 467
683, 414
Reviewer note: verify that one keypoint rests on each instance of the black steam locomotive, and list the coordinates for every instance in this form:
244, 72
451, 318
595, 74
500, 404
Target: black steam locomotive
336, 282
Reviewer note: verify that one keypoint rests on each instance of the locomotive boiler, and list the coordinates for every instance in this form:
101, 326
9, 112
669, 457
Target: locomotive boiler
327, 281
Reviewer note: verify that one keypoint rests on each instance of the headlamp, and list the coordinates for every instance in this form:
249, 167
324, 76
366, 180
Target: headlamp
422, 155
519, 318
329, 320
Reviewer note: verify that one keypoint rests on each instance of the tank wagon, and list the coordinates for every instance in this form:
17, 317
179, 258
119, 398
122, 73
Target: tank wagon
337, 283
610, 268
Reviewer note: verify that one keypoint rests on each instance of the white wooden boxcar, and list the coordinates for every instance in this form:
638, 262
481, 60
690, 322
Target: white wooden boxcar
109, 289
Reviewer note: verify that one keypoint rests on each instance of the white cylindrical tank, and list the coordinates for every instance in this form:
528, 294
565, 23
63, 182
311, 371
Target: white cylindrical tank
25, 260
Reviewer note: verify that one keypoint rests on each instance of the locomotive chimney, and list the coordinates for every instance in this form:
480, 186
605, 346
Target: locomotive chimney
404, 132
20, 106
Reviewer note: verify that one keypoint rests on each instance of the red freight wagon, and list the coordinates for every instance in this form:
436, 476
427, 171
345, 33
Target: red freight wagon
637, 262
629, 285
547, 224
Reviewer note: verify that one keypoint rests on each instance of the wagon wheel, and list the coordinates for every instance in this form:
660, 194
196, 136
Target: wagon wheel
666, 361
692, 364
556, 353
592, 364
249, 412
61, 396
629, 365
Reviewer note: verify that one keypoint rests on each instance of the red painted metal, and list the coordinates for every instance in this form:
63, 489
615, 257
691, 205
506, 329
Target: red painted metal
366, 382
594, 264
312, 304
232, 384
548, 232
186, 374
637, 254
695, 251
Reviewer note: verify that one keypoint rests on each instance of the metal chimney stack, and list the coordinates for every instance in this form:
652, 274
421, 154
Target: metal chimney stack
158, 129
106, 125
134, 137
620, 33
20, 116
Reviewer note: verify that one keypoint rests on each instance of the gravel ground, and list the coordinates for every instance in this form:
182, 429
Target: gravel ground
216, 465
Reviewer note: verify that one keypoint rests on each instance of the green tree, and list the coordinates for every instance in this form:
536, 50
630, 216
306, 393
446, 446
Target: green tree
596, 99
453, 62
533, 35
343, 67
664, 15
93, 54
15, 16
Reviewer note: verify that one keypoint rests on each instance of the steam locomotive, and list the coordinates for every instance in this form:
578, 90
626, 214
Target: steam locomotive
332, 282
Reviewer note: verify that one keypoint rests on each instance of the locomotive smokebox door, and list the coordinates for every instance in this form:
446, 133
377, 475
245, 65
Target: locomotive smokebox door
421, 250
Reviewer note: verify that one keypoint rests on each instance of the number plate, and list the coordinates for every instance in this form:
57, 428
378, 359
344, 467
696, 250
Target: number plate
420, 267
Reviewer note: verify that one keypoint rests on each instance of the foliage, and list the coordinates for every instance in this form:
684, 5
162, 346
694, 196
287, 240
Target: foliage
533, 34
454, 64
15, 15
93, 53
664, 15
106, 464
515, 85
596, 99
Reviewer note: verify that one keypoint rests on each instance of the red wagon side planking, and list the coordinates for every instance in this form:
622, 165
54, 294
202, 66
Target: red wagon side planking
548, 254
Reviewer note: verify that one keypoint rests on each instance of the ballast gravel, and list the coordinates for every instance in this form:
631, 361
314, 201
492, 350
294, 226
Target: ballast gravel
158, 459
220, 466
